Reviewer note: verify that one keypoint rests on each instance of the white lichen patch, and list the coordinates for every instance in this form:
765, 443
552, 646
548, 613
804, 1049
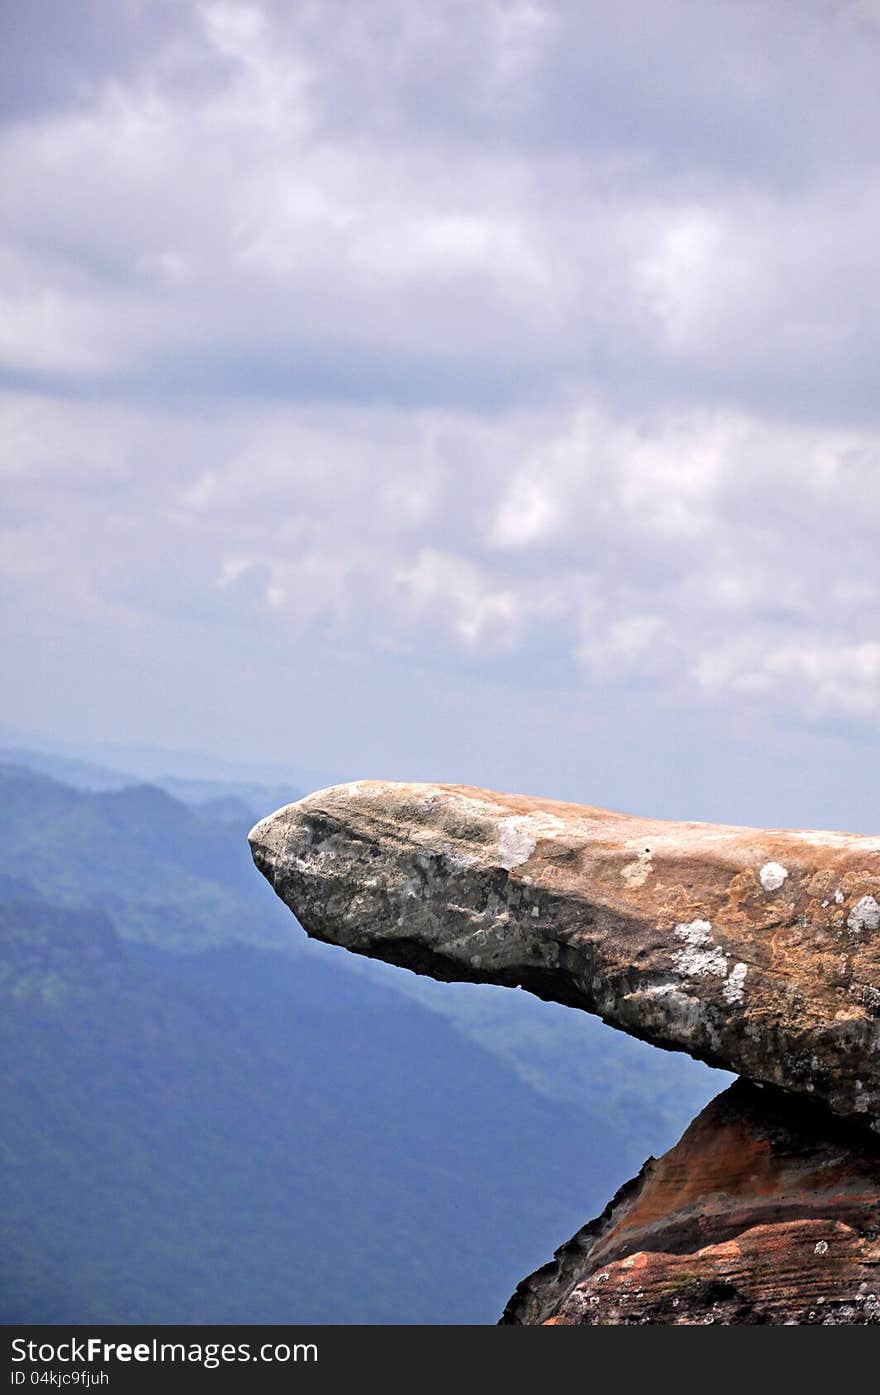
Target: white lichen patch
515, 843
699, 958
701, 963
732, 991
695, 932
772, 875
821, 1247
839, 897
865, 915
637, 873
518, 837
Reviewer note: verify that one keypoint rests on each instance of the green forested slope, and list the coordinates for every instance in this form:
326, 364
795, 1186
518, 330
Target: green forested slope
266, 1141
167, 874
214, 1118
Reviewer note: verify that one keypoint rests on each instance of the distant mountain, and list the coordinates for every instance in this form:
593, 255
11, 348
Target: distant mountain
17, 889
83, 775
229, 809
241, 1137
625, 1085
215, 1119
212, 797
147, 762
167, 874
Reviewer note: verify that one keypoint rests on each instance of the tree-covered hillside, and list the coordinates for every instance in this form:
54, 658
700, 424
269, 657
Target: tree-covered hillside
208, 1117
167, 874
268, 1141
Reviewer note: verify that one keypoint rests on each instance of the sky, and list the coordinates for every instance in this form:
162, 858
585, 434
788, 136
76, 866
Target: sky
482, 390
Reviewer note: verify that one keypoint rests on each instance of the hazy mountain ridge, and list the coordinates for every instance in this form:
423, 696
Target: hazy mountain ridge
260, 1140
205, 1129
166, 873
251, 797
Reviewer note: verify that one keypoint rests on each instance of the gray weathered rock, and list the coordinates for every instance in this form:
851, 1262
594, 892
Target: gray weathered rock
752, 949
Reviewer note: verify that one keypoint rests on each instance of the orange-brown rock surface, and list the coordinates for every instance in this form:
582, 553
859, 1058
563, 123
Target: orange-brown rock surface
753, 949
766, 1211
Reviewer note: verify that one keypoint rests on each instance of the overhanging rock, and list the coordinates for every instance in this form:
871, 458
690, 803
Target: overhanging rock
752, 949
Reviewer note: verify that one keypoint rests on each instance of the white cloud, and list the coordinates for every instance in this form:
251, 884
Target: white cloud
814, 676
441, 332
212, 213
528, 513
715, 556
441, 588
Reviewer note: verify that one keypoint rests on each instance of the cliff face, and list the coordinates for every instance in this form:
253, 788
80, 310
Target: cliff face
754, 950
766, 1211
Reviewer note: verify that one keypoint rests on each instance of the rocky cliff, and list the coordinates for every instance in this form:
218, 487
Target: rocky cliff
766, 1212
754, 950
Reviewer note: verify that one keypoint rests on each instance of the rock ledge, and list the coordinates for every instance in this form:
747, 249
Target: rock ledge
753, 949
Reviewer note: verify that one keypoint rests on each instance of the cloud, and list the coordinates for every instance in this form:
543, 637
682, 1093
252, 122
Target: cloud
832, 677
387, 203
709, 553
512, 342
